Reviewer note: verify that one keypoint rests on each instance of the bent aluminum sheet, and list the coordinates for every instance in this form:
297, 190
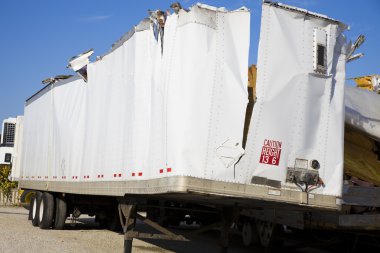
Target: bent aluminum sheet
147, 113
362, 111
299, 113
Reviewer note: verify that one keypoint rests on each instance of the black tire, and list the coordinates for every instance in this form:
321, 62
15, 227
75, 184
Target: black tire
249, 233
30, 215
60, 213
115, 224
35, 208
110, 219
267, 232
26, 198
46, 211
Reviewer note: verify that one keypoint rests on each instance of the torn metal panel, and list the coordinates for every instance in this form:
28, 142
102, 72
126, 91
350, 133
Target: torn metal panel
142, 26
194, 16
219, 9
297, 125
79, 63
47, 88
362, 111
198, 15
306, 13
176, 7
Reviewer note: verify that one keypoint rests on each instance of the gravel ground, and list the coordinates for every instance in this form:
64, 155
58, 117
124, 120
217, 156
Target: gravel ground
18, 235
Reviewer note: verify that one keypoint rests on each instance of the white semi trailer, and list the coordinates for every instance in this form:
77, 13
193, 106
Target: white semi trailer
7, 138
157, 123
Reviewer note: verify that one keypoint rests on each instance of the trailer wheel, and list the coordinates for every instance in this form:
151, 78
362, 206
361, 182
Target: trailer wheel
109, 219
114, 224
266, 231
249, 233
26, 198
60, 213
30, 215
46, 210
35, 208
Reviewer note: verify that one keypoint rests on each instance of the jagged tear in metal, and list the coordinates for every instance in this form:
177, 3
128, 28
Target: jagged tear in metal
55, 79
158, 20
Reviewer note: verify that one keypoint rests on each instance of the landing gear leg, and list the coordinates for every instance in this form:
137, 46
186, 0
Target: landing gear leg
229, 216
127, 220
128, 216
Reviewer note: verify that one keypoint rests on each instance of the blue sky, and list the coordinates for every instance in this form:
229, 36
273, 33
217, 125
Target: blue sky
38, 37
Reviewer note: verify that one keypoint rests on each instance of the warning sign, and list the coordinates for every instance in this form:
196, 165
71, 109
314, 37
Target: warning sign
271, 152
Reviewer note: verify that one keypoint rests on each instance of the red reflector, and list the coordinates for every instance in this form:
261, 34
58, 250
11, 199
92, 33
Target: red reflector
161, 171
119, 175
169, 169
140, 174
133, 174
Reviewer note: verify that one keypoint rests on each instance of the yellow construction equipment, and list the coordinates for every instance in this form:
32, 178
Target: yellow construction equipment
370, 82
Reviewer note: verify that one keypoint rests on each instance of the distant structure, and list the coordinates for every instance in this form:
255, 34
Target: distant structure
7, 140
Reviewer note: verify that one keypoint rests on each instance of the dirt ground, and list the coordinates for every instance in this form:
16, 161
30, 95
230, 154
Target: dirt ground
18, 235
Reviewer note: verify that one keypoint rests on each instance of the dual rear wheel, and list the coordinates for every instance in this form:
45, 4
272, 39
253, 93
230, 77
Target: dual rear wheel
34, 209
48, 211
261, 232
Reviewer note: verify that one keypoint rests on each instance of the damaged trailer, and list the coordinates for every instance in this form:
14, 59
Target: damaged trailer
359, 210
158, 123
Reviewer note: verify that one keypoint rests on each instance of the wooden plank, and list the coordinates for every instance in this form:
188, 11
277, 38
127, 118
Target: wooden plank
361, 196
138, 235
360, 221
289, 218
252, 73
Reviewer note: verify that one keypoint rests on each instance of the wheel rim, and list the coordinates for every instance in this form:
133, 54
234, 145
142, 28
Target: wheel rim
34, 208
41, 214
265, 229
247, 234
